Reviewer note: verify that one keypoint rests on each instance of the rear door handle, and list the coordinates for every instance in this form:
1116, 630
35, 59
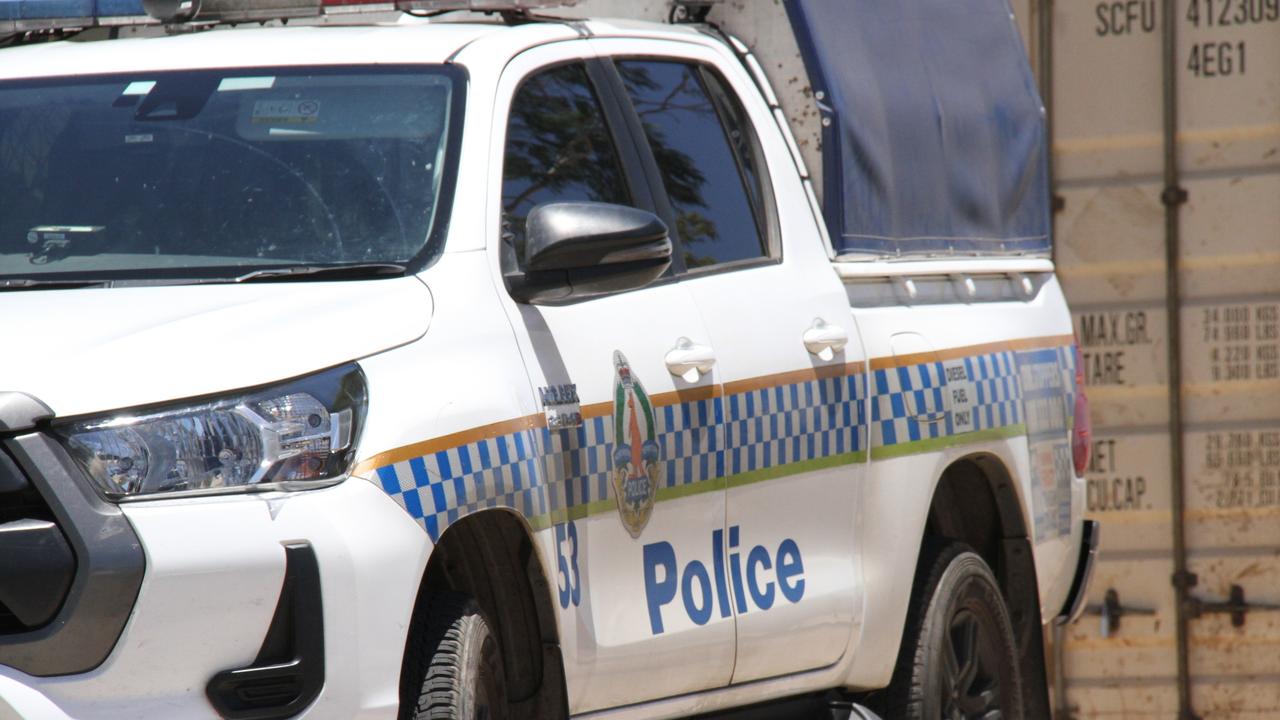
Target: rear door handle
690, 360
825, 338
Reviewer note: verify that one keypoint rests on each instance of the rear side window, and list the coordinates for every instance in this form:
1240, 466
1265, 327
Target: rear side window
558, 149
704, 158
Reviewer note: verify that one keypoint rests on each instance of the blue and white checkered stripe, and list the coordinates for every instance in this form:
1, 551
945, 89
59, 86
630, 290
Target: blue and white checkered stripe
1067, 361
576, 463
540, 472
690, 438
543, 473
439, 488
901, 395
908, 404
794, 423
998, 389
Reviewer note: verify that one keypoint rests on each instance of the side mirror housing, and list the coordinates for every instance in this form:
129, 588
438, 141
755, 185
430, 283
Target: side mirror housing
580, 249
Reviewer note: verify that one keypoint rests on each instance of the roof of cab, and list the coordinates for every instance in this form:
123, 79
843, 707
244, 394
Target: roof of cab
409, 41
241, 47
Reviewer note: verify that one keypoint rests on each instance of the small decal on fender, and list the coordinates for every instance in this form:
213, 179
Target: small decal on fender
561, 406
959, 395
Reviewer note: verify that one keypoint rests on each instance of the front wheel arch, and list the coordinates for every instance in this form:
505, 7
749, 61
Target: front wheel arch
490, 556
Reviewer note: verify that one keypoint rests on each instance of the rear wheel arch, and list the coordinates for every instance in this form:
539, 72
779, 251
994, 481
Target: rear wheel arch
491, 557
977, 502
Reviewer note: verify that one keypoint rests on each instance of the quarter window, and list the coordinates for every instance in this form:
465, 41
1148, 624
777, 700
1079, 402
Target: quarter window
558, 150
705, 162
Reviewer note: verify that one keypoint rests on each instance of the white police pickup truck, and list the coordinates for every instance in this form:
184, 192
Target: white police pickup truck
506, 367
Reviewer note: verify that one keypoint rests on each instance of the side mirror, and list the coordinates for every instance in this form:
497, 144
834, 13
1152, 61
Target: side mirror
579, 249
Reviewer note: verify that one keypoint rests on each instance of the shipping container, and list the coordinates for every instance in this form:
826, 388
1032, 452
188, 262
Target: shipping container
1212, 195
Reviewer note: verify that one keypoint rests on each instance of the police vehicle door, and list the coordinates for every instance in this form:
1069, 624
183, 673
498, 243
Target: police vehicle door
789, 358
628, 382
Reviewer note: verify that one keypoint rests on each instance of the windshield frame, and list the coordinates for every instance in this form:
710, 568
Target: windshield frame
430, 250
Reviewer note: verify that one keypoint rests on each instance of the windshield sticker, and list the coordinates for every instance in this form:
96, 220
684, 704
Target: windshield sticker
291, 112
637, 470
233, 84
139, 87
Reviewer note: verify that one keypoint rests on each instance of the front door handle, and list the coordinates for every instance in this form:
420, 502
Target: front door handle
825, 338
690, 360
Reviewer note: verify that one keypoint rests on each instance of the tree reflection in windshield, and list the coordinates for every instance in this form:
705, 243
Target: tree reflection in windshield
558, 149
211, 174
714, 218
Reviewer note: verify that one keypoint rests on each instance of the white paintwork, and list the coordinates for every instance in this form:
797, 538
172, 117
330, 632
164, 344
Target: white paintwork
97, 349
959, 266
248, 47
214, 568
19, 701
217, 562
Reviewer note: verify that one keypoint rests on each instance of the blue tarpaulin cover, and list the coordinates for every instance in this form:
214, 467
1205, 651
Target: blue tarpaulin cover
60, 9
937, 143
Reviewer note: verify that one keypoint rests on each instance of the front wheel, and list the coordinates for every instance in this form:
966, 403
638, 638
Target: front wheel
958, 659
453, 665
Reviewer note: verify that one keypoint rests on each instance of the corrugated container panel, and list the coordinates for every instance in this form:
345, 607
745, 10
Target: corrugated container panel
1108, 151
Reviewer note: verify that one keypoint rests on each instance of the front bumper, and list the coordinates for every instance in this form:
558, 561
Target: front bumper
1074, 605
215, 568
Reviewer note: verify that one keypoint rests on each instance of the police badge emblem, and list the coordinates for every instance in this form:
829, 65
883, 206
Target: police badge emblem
637, 466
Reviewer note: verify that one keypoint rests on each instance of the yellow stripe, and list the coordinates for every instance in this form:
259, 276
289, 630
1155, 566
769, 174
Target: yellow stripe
822, 372
452, 440
703, 392
957, 353
594, 410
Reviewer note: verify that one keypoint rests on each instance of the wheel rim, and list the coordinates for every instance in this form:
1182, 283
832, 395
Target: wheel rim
971, 669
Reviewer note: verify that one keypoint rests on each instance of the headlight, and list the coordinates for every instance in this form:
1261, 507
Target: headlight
298, 435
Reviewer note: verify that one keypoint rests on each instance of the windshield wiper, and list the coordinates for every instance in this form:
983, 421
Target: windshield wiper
48, 284
355, 271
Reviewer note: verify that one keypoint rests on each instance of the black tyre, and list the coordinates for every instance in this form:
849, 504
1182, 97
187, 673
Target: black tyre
958, 657
453, 665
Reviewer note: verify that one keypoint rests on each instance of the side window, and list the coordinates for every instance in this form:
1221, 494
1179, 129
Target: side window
706, 159
558, 149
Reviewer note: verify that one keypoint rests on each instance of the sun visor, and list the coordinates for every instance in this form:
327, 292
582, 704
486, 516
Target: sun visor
937, 141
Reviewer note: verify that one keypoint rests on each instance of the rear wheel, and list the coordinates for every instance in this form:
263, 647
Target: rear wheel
453, 665
958, 658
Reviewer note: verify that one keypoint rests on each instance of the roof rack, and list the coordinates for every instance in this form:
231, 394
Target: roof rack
24, 16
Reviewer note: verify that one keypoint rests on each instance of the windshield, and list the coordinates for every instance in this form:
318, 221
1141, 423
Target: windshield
213, 174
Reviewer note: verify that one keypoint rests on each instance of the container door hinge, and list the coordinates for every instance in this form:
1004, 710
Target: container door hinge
1110, 611
1235, 605
1184, 580
1174, 195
